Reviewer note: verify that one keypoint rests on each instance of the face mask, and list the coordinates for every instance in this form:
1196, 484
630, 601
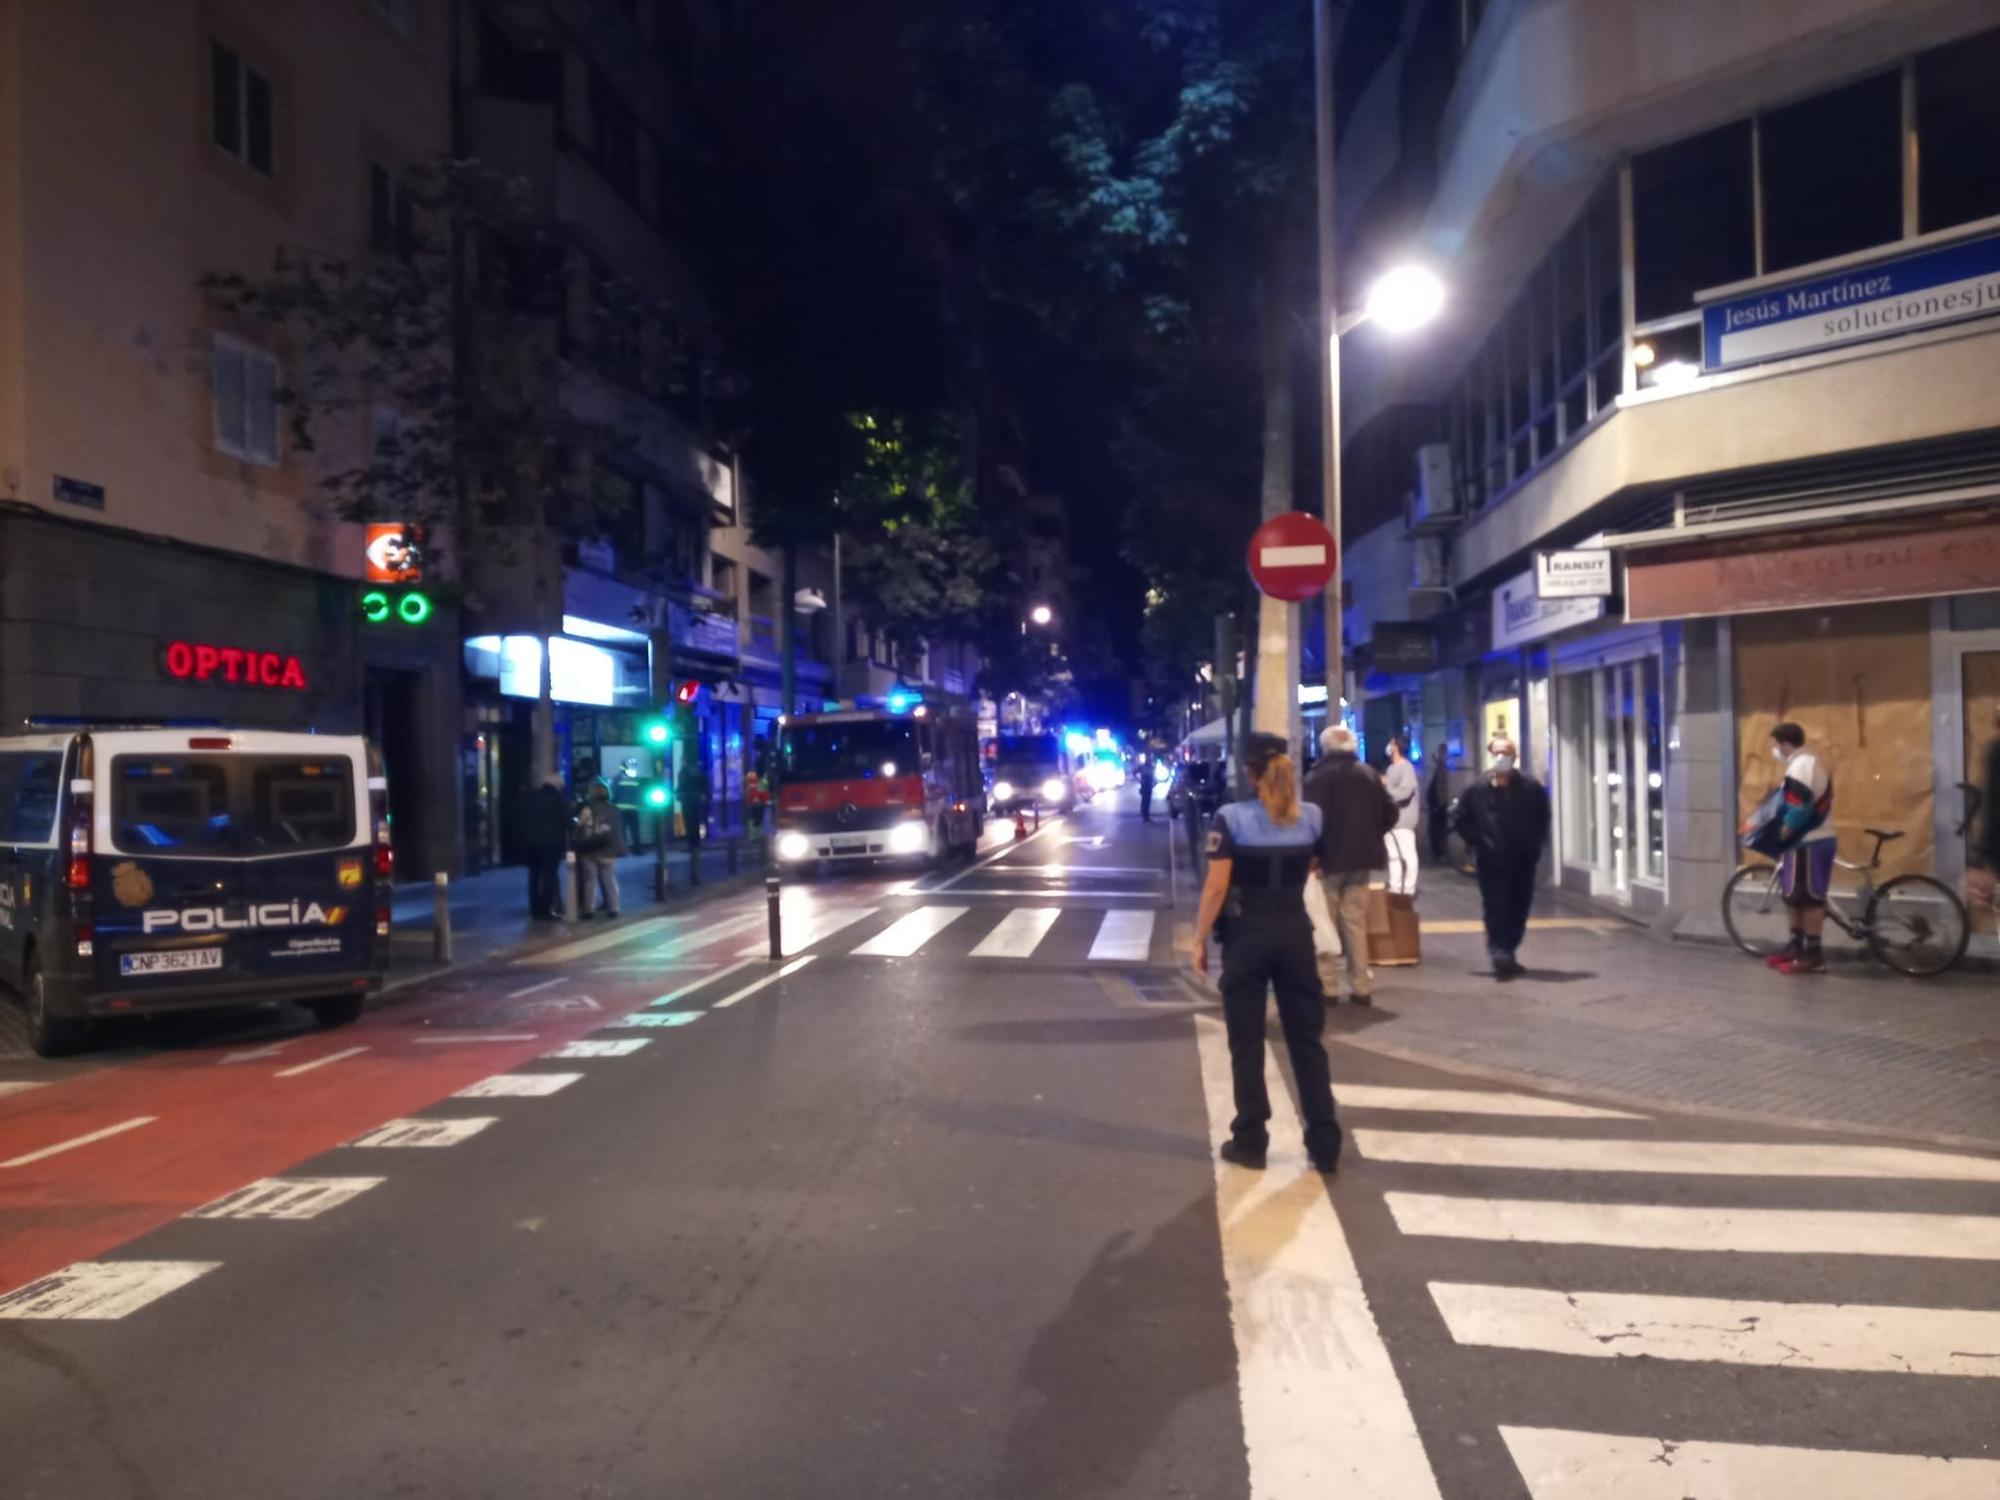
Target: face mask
1503, 763
1778, 753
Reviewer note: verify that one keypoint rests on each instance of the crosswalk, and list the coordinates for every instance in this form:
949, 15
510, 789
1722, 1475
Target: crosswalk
1043, 933
1579, 1240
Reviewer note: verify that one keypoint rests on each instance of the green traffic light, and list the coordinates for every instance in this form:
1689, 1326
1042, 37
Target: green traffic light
375, 606
657, 796
657, 732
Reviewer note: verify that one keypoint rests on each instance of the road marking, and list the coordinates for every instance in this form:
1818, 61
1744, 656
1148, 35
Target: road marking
291, 1198
425, 1132
689, 988
569, 1051
517, 1086
909, 932
82, 1140
1082, 892
1557, 1465
318, 1062
598, 942
102, 1289
1536, 924
536, 989
1751, 1231
819, 927
1124, 937
655, 1018
1011, 847
1089, 841
449, 1041
750, 989
17, 1088
1323, 1411
1795, 1335
252, 1055
1019, 932
1471, 1102
1695, 1158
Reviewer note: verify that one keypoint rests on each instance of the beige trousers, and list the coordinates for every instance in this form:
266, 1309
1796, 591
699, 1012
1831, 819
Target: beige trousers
1347, 903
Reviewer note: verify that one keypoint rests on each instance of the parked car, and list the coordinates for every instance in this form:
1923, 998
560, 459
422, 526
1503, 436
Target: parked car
1200, 784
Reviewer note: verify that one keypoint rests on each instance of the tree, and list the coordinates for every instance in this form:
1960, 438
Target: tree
434, 386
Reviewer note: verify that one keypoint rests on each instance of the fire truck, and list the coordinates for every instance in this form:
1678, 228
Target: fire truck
879, 783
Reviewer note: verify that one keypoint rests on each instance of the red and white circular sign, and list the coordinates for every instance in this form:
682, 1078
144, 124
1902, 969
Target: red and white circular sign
1292, 557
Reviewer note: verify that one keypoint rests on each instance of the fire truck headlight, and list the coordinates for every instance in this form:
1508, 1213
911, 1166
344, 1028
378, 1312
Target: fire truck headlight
909, 838
1053, 789
794, 846
1003, 790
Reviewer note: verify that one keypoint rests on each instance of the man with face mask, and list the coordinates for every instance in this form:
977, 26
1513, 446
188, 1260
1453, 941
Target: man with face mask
1504, 820
1805, 868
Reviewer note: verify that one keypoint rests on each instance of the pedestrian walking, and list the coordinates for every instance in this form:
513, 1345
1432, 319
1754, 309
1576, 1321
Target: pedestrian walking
1260, 855
1145, 770
1400, 842
1356, 813
1504, 820
600, 840
1807, 845
546, 839
1437, 806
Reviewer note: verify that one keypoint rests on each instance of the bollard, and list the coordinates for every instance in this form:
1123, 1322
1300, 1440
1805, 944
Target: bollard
441, 918
771, 904
1173, 867
569, 885
661, 882
731, 856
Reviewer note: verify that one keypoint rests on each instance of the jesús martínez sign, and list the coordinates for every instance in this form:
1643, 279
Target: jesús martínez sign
1900, 295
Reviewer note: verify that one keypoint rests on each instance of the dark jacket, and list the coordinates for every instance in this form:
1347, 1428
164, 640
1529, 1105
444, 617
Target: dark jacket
1504, 821
600, 831
548, 820
1356, 810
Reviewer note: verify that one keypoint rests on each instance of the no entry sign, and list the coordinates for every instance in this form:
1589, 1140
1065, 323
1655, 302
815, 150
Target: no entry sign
1292, 557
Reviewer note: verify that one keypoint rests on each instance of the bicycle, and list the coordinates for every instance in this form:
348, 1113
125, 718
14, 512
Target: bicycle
1914, 924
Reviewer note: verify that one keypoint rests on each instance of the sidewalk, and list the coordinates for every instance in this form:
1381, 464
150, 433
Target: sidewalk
1616, 1010
489, 911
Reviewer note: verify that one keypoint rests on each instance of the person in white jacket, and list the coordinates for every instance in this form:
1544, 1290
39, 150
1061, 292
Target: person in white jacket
1400, 842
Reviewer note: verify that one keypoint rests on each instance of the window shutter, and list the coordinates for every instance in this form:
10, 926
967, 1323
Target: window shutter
226, 389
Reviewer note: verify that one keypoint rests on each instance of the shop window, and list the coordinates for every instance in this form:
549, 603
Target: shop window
1958, 132
1833, 173
243, 385
1612, 772
1604, 263
243, 123
1693, 219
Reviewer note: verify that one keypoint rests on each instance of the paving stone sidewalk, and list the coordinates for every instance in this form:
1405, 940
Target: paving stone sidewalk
1618, 1009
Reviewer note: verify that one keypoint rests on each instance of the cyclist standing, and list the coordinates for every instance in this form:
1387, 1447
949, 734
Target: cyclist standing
1806, 869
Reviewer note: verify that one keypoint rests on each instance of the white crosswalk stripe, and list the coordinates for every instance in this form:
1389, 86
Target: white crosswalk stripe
1471, 1102
1702, 1158
908, 933
1124, 936
1020, 932
817, 928
1117, 935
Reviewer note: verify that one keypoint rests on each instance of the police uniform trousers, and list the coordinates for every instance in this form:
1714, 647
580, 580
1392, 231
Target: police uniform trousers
1275, 950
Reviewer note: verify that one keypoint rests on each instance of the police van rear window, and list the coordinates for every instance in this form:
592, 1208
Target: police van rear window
30, 787
237, 805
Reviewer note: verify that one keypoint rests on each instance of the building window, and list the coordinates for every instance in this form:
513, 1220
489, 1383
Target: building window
243, 384
1958, 132
1832, 169
399, 15
243, 122
1612, 773
1693, 219
391, 229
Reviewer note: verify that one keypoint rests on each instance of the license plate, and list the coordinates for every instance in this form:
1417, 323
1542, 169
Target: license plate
177, 962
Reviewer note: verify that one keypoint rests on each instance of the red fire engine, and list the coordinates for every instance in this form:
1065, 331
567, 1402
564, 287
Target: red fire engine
869, 783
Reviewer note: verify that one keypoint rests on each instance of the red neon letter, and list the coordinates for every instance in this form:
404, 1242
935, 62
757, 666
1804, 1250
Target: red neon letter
205, 658
232, 662
180, 659
295, 675
268, 669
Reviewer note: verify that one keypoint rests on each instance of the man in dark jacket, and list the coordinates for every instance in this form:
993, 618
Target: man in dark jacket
1504, 820
547, 837
1355, 811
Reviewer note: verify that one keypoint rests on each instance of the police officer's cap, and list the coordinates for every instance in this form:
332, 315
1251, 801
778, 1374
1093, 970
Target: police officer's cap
1260, 749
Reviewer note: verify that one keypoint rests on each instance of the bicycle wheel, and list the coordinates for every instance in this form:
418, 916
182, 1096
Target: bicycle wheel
1917, 925
1753, 909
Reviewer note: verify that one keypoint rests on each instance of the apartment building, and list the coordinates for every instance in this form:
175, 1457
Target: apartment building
151, 495
1710, 436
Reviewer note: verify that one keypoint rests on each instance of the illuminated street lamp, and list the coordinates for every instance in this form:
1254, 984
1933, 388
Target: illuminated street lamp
1041, 614
1405, 298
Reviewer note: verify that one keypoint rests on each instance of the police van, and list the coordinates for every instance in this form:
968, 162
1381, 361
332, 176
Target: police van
150, 870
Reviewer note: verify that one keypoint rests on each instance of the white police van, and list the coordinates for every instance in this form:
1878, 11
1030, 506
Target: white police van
149, 870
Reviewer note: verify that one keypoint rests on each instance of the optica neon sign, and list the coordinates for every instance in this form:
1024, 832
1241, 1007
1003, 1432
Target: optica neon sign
197, 662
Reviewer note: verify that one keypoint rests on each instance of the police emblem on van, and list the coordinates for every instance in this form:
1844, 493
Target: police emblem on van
265, 914
130, 884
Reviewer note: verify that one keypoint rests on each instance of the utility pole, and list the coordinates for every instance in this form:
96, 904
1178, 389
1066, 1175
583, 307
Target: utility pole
1325, 14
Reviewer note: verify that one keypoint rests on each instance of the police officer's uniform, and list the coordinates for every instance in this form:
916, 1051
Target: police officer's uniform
1267, 942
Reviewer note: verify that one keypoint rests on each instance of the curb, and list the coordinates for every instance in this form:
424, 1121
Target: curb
1542, 1083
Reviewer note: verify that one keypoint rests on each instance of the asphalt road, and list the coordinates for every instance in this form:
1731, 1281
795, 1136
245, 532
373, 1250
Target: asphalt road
930, 1208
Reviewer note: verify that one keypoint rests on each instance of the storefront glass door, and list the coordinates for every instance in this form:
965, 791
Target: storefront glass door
1612, 770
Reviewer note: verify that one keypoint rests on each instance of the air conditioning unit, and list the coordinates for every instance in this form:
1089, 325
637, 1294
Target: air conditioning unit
1427, 572
1434, 506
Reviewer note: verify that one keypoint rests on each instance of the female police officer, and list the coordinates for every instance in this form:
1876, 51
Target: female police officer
1260, 854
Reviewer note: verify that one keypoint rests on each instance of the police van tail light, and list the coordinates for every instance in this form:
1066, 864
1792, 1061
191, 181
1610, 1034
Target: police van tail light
385, 862
86, 938
79, 846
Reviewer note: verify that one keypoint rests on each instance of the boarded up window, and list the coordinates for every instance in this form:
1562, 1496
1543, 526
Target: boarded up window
1857, 680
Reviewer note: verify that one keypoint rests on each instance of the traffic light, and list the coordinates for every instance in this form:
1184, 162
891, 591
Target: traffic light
411, 606
658, 797
658, 733
685, 693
